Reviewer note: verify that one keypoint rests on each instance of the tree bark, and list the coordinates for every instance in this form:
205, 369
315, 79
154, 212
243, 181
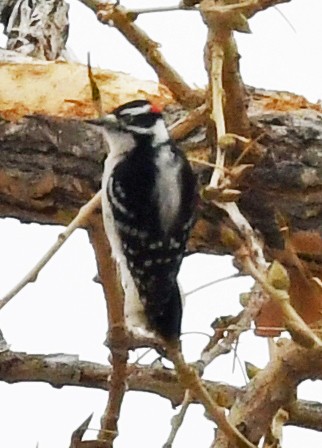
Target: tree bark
50, 166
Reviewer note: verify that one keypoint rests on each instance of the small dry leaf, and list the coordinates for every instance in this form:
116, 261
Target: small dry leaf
244, 298
278, 277
230, 238
251, 370
241, 23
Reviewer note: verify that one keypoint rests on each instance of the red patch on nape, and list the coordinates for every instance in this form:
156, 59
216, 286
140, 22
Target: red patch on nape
156, 109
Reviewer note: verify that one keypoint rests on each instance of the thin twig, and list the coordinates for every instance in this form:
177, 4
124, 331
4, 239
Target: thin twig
95, 91
194, 119
213, 282
224, 345
139, 11
190, 380
79, 432
217, 114
79, 221
177, 420
253, 243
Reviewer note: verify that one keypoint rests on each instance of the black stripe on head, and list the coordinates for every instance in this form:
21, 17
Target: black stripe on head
140, 113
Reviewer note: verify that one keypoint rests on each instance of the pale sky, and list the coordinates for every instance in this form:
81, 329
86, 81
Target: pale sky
64, 310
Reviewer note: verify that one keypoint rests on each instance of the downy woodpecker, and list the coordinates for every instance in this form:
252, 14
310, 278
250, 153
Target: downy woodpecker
148, 198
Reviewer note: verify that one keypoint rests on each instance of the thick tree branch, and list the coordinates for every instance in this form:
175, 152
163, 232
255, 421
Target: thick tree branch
60, 370
272, 388
50, 167
305, 414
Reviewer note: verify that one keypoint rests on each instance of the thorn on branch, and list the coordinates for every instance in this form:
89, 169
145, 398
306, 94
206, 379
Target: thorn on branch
78, 434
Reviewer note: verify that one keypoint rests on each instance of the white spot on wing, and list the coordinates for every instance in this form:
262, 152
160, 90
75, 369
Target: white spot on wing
116, 203
174, 244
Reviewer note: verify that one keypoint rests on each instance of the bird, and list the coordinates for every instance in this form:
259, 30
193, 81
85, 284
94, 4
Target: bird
148, 205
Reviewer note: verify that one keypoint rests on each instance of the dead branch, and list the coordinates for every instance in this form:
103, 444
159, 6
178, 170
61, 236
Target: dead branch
118, 338
63, 89
118, 16
80, 221
290, 365
191, 381
219, 346
177, 420
79, 433
189, 123
60, 370
305, 414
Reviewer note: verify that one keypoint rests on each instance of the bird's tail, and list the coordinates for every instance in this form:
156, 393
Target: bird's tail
163, 309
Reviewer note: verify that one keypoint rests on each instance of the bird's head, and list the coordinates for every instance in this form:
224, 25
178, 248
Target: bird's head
138, 118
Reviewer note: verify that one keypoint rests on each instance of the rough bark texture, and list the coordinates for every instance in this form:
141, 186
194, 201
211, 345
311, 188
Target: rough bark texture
61, 370
50, 166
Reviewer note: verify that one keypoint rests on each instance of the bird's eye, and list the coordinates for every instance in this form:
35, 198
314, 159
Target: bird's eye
129, 118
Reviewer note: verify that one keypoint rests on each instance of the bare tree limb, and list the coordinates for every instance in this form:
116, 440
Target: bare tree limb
221, 345
291, 365
190, 379
149, 49
178, 419
118, 337
80, 221
305, 414
60, 370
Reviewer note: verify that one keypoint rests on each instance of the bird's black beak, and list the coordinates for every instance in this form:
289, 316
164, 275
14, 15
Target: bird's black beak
108, 120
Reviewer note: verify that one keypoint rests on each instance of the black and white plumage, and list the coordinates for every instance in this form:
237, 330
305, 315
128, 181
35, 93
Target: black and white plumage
148, 195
